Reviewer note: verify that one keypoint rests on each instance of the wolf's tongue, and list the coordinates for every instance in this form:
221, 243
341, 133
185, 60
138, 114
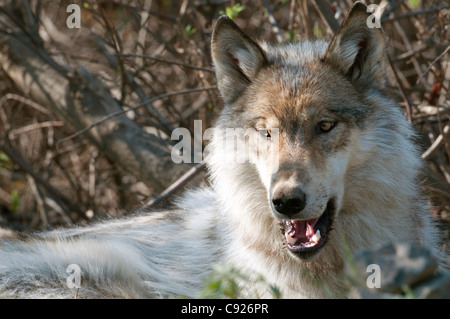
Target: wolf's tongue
300, 228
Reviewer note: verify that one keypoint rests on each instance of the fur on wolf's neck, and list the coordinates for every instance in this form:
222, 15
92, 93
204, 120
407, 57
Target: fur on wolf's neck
386, 184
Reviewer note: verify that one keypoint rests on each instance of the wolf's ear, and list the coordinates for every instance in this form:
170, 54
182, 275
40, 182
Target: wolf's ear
236, 57
358, 51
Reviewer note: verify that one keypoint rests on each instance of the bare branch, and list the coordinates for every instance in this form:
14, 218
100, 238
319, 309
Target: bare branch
80, 99
115, 114
402, 90
273, 22
432, 63
324, 9
437, 143
19, 160
165, 61
414, 13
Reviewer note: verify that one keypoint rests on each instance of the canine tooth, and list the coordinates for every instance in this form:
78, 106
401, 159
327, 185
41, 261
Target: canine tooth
290, 239
316, 236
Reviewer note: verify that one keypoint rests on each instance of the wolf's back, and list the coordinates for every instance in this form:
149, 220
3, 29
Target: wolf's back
147, 256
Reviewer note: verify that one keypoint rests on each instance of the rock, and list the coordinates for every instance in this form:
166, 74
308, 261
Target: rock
437, 287
361, 293
7, 233
397, 270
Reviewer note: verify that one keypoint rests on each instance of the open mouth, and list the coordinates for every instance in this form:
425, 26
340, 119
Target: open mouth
306, 237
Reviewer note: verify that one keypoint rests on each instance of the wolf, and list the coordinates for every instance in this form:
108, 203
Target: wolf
338, 171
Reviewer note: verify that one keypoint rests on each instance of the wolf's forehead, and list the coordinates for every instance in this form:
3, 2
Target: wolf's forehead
294, 67
295, 54
297, 84
305, 91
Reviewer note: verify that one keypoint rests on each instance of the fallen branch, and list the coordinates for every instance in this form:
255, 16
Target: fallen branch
178, 184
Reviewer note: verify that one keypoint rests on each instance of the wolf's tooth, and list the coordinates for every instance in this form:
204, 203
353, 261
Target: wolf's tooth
290, 239
316, 237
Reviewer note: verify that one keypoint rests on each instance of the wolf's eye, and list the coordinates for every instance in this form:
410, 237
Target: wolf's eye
326, 126
264, 133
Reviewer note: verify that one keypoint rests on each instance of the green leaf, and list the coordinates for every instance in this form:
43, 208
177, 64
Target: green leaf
415, 3
15, 201
189, 31
233, 11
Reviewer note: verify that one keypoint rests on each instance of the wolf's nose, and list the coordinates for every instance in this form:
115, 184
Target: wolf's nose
289, 202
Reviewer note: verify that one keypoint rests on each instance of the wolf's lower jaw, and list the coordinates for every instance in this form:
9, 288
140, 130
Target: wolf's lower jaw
305, 237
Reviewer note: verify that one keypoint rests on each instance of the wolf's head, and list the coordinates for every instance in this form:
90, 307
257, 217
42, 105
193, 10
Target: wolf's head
306, 110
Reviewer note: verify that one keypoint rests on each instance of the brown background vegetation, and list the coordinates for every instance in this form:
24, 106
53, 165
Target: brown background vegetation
56, 81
